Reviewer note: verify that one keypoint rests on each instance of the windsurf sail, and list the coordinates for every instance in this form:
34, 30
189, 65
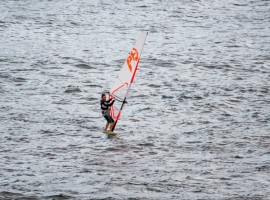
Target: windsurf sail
125, 78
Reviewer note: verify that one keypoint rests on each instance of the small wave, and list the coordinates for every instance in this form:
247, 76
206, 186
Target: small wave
83, 66
4, 75
72, 89
238, 4
197, 97
139, 96
61, 102
91, 99
58, 197
234, 100
4, 60
147, 144
113, 149
265, 168
12, 195
154, 86
94, 85
193, 142
184, 97
19, 80
167, 97
144, 109
233, 46
216, 66
1, 90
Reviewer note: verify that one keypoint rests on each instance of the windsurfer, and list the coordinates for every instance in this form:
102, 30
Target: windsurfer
105, 109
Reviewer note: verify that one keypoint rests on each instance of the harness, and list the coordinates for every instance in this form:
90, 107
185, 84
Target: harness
104, 108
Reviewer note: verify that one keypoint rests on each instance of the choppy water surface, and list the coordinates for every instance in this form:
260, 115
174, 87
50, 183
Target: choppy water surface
197, 122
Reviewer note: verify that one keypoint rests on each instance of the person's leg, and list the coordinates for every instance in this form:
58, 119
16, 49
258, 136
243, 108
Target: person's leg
106, 127
111, 126
107, 119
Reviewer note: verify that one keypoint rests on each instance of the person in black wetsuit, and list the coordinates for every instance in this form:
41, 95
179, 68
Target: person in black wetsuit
105, 109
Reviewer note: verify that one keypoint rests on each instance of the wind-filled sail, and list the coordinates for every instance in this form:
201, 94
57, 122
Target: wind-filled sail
121, 86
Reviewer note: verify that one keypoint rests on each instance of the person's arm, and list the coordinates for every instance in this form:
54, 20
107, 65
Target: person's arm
111, 102
108, 101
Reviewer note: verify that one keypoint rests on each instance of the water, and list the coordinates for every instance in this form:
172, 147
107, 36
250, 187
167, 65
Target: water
197, 122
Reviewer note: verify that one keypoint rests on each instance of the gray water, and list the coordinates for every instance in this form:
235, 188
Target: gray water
197, 121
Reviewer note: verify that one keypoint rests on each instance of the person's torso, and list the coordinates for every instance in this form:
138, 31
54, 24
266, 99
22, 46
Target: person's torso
104, 105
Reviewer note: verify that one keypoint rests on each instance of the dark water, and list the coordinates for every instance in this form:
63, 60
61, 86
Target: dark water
197, 122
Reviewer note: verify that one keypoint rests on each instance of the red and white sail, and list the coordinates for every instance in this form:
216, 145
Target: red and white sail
121, 86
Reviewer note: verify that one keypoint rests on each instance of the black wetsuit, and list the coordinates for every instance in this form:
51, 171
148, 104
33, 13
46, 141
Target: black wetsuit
105, 109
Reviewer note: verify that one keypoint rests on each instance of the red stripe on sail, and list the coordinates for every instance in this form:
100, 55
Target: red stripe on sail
135, 70
112, 110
